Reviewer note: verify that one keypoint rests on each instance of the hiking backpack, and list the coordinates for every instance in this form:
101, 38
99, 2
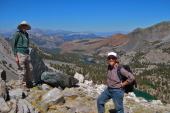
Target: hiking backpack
129, 87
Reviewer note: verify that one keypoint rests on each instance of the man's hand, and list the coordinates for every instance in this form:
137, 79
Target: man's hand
16, 59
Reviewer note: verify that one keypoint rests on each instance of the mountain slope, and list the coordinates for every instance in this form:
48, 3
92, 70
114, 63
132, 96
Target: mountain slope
7, 60
92, 44
156, 36
148, 38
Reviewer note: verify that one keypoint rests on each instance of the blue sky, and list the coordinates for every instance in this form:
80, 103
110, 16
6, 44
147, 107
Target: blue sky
84, 15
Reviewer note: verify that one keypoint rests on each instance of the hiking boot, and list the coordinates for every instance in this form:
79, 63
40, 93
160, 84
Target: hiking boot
25, 88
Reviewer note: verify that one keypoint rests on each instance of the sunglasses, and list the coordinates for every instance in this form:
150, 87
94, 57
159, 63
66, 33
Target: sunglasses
111, 57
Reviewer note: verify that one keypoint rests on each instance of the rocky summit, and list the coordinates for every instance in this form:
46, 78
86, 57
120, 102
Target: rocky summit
80, 98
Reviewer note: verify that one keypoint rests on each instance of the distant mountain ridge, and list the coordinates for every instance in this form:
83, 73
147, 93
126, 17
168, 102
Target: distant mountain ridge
64, 34
37, 31
46, 38
49, 32
49, 38
155, 36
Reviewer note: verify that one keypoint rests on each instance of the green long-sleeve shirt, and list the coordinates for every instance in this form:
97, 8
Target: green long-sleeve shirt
20, 43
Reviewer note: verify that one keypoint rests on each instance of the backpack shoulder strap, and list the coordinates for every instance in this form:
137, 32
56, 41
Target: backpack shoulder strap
118, 73
19, 34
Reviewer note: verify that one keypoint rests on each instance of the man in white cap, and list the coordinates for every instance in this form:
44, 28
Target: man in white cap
115, 86
20, 44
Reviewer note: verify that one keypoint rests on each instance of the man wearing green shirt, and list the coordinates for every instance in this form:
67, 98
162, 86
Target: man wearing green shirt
20, 44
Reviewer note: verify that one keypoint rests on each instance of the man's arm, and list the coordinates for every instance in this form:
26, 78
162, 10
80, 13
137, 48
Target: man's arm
130, 77
14, 46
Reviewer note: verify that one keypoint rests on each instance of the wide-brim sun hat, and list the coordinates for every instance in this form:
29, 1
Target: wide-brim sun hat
24, 23
112, 53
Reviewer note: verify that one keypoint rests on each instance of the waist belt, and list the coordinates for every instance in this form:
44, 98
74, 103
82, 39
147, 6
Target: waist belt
116, 88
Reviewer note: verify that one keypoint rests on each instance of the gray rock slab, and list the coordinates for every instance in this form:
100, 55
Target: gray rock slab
56, 79
4, 108
38, 65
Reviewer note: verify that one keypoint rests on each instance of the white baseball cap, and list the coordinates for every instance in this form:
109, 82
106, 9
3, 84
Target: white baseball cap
112, 53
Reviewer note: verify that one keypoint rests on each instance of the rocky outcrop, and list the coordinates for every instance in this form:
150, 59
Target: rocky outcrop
3, 89
80, 99
79, 77
38, 66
